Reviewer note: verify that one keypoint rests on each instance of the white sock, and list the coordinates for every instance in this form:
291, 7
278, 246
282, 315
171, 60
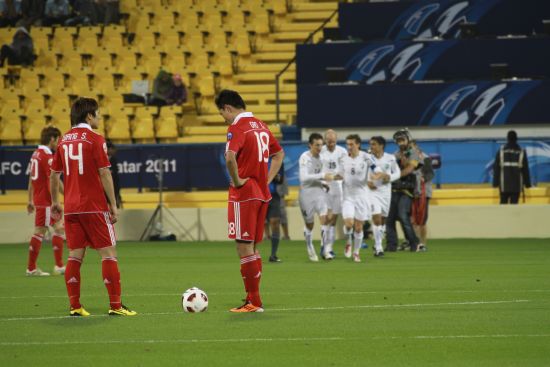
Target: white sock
378, 232
331, 236
357, 241
349, 233
324, 238
309, 240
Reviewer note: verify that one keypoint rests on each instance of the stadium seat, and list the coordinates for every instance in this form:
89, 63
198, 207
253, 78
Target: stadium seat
143, 129
10, 130
33, 122
117, 127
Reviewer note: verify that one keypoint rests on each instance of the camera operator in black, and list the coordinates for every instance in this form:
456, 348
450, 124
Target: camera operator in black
403, 192
511, 170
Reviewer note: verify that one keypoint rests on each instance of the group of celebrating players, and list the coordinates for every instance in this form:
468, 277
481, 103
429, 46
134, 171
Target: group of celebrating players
352, 183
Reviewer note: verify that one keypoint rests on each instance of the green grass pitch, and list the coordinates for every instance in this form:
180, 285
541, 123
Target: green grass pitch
463, 303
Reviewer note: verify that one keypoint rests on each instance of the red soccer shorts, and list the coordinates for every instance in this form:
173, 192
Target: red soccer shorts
246, 220
43, 217
89, 230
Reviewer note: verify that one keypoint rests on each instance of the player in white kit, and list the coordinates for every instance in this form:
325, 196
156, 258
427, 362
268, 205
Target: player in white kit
332, 156
355, 207
313, 191
383, 171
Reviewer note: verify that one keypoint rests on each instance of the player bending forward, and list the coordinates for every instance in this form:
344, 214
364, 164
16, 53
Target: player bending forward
82, 158
355, 208
382, 171
250, 144
41, 201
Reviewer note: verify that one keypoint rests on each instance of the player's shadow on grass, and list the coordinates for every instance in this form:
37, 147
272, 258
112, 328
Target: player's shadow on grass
247, 317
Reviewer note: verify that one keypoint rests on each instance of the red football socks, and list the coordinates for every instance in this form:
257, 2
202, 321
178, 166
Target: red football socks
72, 281
111, 279
251, 273
57, 246
34, 250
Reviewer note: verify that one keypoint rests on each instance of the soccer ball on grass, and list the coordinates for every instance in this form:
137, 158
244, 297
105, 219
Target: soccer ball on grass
194, 300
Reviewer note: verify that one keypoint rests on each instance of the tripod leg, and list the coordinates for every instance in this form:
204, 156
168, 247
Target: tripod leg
150, 224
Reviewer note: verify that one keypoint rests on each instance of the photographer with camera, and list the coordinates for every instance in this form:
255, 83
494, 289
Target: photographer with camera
403, 192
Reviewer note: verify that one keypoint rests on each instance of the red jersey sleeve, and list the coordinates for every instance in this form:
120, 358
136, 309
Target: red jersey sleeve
100, 153
57, 164
235, 139
274, 146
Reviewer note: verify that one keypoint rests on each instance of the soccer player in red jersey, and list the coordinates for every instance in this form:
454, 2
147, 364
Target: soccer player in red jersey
40, 202
82, 158
249, 146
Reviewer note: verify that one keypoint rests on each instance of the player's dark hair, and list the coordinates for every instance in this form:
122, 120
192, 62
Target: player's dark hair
354, 137
48, 133
81, 108
380, 140
229, 97
314, 136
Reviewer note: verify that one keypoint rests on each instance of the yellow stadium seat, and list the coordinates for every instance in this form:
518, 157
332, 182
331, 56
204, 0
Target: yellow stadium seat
142, 124
166, 127
10, 130
33, 123
117, 128
88, 35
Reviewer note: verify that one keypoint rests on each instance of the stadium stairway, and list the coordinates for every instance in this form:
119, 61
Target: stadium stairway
17, 200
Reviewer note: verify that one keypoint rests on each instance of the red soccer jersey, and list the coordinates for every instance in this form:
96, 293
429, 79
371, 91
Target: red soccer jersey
41, 162
80, 154
253, 144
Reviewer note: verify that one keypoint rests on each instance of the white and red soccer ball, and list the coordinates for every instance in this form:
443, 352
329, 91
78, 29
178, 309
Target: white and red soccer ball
194, 300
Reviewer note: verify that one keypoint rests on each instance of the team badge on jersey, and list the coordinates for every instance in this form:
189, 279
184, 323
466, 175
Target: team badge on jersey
229, 136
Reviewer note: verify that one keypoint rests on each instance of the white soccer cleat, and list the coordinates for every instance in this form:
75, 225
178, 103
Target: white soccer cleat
312, 255
347, 251
36, 273
58, 270
356, 258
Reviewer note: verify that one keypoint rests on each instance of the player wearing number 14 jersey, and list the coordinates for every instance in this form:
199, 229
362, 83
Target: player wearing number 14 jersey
81, 157
249, 147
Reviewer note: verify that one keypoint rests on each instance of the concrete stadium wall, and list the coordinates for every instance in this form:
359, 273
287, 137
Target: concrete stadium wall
488, 221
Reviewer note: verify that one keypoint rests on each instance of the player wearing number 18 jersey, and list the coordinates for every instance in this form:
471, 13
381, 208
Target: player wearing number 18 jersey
82, 158
249, 147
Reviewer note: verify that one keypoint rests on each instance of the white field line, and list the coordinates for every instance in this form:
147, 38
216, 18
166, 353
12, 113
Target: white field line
457, 291
330, 308
265, 340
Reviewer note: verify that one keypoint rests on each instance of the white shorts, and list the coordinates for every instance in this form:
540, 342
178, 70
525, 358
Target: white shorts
334, 203
312, 202
356, 208
379, 204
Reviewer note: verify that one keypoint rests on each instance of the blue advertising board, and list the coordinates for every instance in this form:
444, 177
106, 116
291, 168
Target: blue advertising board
375, 62
425, 104
402, 20
202, 166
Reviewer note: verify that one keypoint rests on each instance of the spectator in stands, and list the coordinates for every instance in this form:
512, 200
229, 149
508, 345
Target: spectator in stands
511, 170
162, 87
33, 12
108, 11
85, 12
20, 51
111, 153
178, 93
403, 192
57, 12
423, 193
10, 12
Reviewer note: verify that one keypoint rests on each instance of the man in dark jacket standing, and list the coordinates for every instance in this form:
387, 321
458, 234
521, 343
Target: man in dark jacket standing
511, 170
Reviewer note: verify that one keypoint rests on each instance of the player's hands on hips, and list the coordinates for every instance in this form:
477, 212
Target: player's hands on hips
30, 208
114, 213
240, 182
